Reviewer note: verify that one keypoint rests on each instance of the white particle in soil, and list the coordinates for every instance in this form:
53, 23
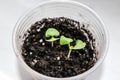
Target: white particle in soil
94, 59
35, 60
83, 69
86, 62
42, 26
91, 58
94, 55
26, 39
59, 67
25, 54
58, 58
32, 63
30, 53
79, 54
38, 30
43, 44
41, 40
33, 35
54, 58
36, 56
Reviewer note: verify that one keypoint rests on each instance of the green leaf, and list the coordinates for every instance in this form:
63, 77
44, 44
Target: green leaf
64, 40
79, 44
52, 39
52, 32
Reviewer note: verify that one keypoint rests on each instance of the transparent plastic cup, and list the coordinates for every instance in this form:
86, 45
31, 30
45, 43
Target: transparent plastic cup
70, 9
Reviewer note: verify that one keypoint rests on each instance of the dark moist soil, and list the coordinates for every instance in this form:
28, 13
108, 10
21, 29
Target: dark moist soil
52, 61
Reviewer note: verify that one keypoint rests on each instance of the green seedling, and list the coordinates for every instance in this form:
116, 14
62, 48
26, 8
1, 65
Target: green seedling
79, 44
66, 41
52, 32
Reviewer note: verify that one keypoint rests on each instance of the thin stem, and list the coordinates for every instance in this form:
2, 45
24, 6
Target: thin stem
69, 46
52, 43
68, 56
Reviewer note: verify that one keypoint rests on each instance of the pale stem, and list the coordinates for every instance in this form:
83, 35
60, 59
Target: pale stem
52, 43
68, 56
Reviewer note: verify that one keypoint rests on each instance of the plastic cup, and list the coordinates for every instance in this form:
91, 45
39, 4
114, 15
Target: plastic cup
70, 9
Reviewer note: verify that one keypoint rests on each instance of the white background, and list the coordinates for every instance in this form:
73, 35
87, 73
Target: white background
11, 10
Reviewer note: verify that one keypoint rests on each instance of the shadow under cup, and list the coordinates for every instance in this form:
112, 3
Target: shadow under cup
70, 9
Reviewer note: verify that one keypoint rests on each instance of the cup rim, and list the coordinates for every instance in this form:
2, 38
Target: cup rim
54, 78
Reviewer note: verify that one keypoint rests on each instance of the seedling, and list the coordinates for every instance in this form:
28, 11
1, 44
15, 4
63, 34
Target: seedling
52, 32
66, 41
